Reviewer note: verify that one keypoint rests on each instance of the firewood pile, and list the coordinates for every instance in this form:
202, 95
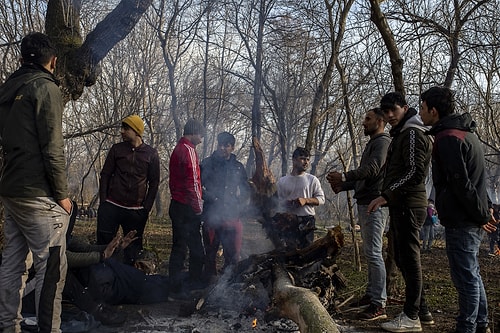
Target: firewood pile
253, 284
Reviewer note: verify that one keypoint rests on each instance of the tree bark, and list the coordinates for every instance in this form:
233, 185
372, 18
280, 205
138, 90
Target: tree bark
301, 305
380, 21
78, 62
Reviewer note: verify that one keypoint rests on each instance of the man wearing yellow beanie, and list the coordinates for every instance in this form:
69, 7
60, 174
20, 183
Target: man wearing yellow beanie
128, 187
135, 122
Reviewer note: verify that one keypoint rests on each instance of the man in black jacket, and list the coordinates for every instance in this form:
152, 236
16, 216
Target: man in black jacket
404, 192
33, 186
459, 176
225, 193
367, 183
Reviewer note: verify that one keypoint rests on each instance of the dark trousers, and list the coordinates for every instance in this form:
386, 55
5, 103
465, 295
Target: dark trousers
117, 283
186, 234
76, 293
109, 219
405, 224
225, 233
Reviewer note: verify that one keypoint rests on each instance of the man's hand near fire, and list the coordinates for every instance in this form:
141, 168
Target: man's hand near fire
301, 202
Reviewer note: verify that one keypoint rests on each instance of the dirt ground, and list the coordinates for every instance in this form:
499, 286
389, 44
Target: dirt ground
183, 317
440, 294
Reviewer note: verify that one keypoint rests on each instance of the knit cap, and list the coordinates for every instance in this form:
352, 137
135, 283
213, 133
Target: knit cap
193, 126
135, 122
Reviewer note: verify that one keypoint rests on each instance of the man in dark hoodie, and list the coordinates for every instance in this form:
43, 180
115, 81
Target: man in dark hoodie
225, 192
403, 191
33, 186
459, 176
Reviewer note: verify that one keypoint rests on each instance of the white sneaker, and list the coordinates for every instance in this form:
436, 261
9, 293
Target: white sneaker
402, 323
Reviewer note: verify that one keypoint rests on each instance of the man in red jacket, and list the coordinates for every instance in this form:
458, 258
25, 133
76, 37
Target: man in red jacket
185, 210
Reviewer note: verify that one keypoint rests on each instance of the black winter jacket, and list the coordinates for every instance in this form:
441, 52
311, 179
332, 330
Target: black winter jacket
225, 188
31, 108
458, 172
407, 164
367, 179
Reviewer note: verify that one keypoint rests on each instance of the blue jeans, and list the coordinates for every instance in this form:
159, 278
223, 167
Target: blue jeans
427, 236
462, 248
372, 232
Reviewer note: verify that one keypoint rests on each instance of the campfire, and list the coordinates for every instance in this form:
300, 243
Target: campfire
298, 284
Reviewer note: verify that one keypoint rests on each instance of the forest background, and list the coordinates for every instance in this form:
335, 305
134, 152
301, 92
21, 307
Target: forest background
292, 73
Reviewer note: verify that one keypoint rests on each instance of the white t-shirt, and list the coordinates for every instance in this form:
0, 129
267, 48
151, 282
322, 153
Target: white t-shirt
302, 186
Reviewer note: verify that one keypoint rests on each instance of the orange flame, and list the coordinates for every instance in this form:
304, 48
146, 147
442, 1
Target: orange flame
254, 323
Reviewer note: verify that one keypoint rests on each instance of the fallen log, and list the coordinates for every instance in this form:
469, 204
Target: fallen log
300, 305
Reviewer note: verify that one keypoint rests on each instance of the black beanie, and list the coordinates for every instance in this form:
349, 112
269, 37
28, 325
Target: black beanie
193, 126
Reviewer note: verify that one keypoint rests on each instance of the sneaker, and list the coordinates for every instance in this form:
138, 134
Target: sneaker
402, 323
426, 318
363, 302
372, 312
109, 317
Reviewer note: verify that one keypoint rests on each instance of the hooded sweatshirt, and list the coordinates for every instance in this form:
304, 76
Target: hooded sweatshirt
458, 172
31, 109
407, 163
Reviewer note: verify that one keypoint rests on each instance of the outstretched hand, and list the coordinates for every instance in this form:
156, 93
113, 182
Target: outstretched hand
120, 243
128, 238
110, 249
334, 178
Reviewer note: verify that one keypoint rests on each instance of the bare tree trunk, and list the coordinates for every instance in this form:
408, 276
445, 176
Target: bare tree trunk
336, 41
380, 21
350, 206
78, 65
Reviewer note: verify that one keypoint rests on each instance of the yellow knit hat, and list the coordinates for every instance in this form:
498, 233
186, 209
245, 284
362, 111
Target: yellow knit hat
135, 122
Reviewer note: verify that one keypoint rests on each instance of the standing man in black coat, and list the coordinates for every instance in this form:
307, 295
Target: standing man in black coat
403, 191
225, 192
459, 177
